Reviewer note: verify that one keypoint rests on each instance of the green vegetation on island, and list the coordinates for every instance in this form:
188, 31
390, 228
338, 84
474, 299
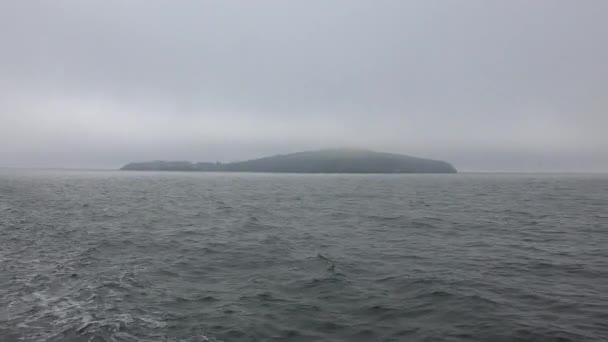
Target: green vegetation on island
323, 161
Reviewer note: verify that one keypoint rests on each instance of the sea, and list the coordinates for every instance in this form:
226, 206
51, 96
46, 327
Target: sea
124, 256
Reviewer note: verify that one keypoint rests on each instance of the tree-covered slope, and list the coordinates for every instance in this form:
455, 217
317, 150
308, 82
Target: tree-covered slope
323, 161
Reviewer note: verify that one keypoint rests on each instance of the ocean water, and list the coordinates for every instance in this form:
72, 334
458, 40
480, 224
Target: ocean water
132, 256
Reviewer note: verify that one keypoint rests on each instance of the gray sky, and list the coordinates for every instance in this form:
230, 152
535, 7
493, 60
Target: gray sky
514, 85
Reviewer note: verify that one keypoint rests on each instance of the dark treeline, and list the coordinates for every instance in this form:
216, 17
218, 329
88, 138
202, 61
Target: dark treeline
324, 161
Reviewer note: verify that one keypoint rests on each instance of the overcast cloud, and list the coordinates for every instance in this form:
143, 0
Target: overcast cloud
487, 85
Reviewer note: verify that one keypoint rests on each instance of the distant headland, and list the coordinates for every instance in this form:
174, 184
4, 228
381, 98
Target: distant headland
322, 161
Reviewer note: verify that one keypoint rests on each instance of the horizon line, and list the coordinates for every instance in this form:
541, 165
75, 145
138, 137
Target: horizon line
59, 168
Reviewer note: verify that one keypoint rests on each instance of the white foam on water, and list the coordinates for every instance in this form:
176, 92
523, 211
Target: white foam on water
153, 322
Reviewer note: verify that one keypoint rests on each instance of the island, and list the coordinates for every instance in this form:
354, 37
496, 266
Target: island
322, 161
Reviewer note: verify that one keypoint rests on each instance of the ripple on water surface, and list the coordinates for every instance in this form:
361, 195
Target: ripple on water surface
128, 256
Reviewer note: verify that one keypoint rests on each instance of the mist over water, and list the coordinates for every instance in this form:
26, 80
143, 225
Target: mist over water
129, 256
512, 86
242, 86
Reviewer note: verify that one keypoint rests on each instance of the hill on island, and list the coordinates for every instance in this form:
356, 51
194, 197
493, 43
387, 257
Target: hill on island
323, 161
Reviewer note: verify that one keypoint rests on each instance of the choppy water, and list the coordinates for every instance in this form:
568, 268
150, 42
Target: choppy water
126, 256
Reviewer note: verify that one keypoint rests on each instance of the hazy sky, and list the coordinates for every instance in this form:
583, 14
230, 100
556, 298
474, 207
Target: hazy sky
487, 85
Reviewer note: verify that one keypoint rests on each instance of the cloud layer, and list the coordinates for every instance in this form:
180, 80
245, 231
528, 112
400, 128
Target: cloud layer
515, 85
